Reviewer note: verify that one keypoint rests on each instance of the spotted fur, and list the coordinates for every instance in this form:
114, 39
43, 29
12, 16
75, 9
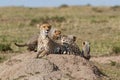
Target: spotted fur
48, 45
31, 44
69, 46
86, 50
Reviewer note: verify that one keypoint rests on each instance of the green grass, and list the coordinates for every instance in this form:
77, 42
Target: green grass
5, 47
101, 29
116, 49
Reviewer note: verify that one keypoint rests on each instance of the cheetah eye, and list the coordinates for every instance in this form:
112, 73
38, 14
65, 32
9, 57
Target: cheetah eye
83, 43
43, 26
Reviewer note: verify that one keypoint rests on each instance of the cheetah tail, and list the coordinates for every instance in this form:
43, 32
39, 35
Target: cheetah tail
20, 45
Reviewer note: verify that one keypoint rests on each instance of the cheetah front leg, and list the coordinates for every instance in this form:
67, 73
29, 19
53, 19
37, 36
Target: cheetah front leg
42, 54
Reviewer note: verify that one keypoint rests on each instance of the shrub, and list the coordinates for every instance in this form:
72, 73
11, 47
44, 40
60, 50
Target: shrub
34, 21
47, 19
5, 47
116, 49
63, 6
117, 7
114, 7
95, 9
88, 4
112, 63
57, 19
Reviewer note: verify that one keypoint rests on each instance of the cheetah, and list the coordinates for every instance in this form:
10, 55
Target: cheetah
68, 45
70, 39
48, 45
55, 34
86, 50
73, 48
33, 41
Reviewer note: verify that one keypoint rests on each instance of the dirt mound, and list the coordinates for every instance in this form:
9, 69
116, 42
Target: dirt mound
52, 67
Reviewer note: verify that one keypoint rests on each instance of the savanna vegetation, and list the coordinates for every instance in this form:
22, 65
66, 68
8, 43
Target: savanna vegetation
98, 25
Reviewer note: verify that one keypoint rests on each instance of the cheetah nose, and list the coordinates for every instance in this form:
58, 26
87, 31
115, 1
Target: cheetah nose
47, 31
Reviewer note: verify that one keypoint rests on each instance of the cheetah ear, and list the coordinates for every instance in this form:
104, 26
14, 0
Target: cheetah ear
64, 35
38, 26
74, 38
58, 31
55, 31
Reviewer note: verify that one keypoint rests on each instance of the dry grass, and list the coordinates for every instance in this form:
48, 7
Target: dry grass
99, 25
113, 71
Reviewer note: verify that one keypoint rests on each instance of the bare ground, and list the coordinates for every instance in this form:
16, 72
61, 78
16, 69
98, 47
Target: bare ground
52, 67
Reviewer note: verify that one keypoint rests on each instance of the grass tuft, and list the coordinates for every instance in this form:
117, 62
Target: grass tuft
5, 47
47, 19
112, 63
116, 49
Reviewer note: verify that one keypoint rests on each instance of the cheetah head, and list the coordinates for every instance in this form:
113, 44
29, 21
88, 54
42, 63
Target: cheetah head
56, 34
69, 39
44, 28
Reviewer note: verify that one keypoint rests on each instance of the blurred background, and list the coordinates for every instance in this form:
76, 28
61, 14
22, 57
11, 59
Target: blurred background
53, 3
97, 21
